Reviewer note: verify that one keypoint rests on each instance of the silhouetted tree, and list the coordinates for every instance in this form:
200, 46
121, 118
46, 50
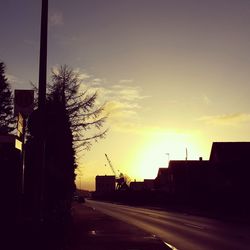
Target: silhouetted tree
60, 156
80, 105
69, 115
6, 103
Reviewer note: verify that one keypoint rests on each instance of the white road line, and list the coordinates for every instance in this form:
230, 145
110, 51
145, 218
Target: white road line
193, 225
169, 245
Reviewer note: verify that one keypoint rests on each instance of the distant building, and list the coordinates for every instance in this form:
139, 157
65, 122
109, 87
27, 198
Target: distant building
105, 184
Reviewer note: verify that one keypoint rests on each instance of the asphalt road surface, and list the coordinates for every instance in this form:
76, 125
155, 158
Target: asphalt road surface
181, 231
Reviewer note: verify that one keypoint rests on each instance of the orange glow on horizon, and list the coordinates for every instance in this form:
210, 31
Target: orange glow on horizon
160, 149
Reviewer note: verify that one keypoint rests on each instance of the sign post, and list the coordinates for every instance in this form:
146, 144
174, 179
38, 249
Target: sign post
23, 107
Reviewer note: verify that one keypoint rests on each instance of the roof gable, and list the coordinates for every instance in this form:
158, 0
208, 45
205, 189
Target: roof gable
230, 151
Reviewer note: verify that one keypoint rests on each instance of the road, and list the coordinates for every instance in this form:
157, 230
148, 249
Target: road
182, 231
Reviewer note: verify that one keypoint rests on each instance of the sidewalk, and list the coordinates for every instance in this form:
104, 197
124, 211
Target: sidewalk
92, 230
87, 230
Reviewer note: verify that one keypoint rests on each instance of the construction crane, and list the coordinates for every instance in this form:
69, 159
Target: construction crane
120, 180
111, 166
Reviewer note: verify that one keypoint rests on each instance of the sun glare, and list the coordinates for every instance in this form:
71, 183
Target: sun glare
161, 148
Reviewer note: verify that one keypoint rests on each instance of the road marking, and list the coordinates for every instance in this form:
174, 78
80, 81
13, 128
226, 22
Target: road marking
169, 245
193, 225
92, 232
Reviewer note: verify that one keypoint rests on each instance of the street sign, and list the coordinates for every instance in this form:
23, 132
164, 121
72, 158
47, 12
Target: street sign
18, 144
23, 101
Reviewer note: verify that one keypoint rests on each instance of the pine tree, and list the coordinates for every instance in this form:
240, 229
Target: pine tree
6, 103
86, 118
70, 115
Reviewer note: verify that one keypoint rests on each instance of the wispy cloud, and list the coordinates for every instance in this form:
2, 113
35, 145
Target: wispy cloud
14, 80
126, 81
56, 18
121, 109
82, 75
123, 101
123, 105
227, 119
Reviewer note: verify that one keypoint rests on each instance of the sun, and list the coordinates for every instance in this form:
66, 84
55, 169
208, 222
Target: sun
159, 149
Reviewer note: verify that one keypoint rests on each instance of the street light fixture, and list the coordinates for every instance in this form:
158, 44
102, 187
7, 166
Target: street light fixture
168, 157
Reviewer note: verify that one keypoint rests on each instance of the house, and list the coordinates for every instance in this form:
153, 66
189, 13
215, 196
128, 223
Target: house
232, 162
184, 177
231, 153
105, 184
162, 180
149, 184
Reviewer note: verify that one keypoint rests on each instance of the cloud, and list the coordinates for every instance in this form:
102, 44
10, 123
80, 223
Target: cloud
97, 81
227, 119
128, 93
122, 101
121, 112
82, 75
122, 104
14, 80
126, 81
121, 109
56, 18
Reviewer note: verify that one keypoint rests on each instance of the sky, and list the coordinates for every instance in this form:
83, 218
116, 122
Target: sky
174, 73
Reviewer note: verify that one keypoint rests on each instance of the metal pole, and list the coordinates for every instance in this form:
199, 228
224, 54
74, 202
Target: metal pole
23, 153
43, 57
168, 158
41, 106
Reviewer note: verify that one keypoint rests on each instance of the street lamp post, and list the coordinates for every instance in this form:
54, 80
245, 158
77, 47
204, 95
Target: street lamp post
41, 105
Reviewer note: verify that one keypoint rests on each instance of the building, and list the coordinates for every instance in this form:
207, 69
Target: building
105, 184
149, 184
162, 180
184, 177
231, 153
223, 181
232, 162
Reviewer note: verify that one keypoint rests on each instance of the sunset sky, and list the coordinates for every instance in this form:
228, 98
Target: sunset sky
175, 73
